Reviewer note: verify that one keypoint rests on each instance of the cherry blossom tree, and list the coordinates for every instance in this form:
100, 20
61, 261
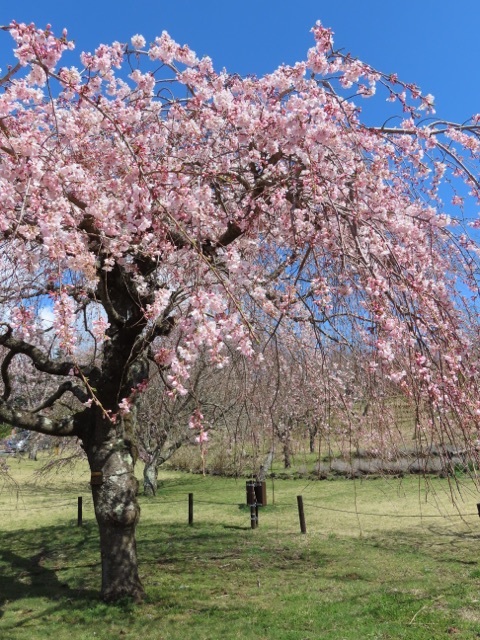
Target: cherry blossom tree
162, 428
143, 191
168, 421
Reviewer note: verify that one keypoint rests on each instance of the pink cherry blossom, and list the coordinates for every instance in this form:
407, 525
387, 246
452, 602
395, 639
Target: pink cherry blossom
166, 213
138, 41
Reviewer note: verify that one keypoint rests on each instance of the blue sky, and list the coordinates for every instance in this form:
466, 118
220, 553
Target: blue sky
432, 43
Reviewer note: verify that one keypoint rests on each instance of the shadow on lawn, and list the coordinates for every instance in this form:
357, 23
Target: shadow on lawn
62, 563
55, 571
32, 563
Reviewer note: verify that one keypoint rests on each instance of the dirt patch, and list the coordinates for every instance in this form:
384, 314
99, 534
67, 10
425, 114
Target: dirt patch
437, 461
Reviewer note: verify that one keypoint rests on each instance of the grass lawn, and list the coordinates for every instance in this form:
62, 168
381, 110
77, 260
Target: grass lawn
382, 559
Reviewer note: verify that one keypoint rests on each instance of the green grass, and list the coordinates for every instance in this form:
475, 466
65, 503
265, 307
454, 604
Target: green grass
368, 568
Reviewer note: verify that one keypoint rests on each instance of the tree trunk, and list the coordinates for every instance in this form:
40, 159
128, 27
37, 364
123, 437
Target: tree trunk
265, 467
114, 491
150, 478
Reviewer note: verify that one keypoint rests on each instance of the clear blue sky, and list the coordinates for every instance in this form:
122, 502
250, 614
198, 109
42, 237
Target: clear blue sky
434, 43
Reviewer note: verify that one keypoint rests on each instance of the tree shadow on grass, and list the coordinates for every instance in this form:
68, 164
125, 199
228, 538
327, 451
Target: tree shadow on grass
62, 563
55, 571
41, 563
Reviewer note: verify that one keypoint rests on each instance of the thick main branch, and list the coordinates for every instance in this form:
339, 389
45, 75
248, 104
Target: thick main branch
40, 361
71, 426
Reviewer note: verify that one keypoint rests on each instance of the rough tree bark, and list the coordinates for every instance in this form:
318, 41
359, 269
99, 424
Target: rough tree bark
110, 442
114, 491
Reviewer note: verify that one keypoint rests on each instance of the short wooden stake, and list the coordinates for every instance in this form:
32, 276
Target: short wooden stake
190, 509
478, 508
79, 512
301, 514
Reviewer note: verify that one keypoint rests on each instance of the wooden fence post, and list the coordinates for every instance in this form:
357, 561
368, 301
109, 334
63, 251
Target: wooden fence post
190, 509
79, 512
301, 514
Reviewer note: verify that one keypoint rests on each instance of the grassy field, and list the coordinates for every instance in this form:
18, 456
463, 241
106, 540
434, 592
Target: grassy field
382, 559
